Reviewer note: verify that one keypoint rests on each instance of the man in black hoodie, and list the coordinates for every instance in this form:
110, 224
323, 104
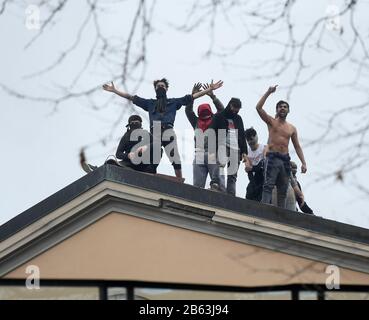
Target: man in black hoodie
135, 149
231, 142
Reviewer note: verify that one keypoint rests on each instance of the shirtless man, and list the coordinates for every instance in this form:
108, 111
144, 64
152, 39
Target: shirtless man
277, 166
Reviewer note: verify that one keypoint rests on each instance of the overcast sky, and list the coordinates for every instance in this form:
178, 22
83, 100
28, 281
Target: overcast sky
39, 149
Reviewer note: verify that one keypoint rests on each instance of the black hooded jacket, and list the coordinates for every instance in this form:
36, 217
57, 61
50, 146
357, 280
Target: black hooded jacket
126, 145
220, 121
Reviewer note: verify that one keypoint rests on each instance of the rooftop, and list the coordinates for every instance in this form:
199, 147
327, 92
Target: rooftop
205, 211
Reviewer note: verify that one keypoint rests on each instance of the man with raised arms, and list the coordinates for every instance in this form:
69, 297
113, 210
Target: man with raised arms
277, 165
162, 113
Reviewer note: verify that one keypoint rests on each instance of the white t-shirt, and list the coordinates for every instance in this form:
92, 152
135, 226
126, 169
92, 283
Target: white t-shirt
231, 139
257, 155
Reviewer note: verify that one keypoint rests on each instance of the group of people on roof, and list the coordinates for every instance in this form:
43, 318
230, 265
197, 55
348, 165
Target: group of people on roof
221, 143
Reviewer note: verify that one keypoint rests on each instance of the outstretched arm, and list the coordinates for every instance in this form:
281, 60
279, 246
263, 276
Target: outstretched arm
259, 107
300, 154
111, 88
191, 116
213, 86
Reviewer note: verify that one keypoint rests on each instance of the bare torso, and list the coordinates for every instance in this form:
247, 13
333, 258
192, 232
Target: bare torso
280, 133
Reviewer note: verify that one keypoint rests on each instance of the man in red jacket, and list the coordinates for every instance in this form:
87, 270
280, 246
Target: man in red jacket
201, 122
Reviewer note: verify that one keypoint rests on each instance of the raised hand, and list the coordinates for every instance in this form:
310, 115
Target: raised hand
110, 88
212, 86
196, 87
216, 85
272, 89
207, 87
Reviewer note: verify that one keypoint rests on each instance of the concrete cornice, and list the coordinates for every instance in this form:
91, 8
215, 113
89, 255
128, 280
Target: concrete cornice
111, 196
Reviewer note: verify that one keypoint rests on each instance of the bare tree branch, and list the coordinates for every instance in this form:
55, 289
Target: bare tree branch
48, 21
2, 6
65, 53
275, 24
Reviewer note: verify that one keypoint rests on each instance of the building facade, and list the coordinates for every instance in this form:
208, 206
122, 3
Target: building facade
121, 234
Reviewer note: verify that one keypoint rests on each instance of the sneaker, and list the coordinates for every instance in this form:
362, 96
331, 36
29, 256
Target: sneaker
88, 167
112, 161
214, 187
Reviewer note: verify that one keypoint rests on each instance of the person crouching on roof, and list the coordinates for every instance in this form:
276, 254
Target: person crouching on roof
136, 147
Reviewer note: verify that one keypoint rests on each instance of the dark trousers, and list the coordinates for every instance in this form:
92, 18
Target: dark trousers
254, 190
230, 160
277, 173
170, 146
202, 166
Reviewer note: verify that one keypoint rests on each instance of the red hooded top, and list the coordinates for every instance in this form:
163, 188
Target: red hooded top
205, 116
